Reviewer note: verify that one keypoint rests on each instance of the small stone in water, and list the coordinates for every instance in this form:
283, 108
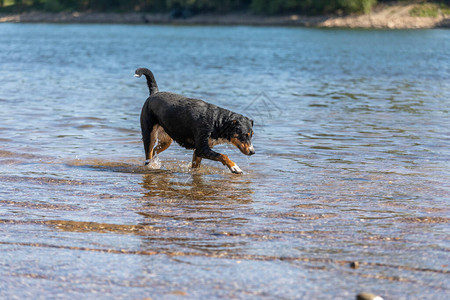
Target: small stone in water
368, 296
354, 265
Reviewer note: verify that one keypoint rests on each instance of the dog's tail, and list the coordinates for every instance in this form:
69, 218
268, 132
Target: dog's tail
151, 82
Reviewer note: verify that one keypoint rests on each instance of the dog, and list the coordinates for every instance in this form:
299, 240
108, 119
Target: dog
193, 124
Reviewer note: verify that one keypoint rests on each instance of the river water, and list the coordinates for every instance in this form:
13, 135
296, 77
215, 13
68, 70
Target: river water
352, 164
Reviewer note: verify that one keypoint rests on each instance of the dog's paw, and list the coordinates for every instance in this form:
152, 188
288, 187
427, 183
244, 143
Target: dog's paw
154, 163
236, 170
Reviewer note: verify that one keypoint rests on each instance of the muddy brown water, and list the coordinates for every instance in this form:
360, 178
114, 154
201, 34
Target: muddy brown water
351, 164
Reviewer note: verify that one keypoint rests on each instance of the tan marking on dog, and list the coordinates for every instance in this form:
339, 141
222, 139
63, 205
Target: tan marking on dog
226, 161
245, 148
196, 161
230, 164
153, 139
164, 141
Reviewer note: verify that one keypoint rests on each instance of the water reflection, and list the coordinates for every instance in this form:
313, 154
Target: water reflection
199, 187
195, 212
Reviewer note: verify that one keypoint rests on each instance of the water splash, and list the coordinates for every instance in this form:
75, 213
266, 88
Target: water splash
155, 163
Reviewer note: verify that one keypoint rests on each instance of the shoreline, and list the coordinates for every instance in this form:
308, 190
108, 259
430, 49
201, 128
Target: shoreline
382, 17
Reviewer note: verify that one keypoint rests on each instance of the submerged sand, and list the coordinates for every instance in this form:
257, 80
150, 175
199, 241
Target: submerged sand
383, 17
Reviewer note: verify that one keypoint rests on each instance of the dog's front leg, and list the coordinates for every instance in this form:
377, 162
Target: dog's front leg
196, 161
204, 151
230, 164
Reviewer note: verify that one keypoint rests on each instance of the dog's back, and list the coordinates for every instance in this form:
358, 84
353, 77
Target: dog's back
184, 118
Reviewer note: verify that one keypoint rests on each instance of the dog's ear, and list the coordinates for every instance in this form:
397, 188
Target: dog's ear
231, 124
229, 127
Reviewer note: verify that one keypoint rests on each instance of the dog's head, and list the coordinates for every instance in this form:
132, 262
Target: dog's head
239, 131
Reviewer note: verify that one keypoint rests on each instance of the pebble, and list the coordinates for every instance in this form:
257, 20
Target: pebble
368, 296
354, 265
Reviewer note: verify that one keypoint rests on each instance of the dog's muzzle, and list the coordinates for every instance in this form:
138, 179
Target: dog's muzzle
251, 150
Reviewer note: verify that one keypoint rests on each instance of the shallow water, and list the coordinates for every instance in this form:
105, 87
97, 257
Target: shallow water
352, 143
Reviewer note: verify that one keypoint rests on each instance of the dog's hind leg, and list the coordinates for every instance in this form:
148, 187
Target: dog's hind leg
146, 137
149, 143
196, 161
164, 141
149, 135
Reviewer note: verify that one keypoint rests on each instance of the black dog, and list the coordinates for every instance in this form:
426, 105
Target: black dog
192, 123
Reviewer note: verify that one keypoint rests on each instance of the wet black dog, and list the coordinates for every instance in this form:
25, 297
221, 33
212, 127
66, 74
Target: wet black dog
192, 123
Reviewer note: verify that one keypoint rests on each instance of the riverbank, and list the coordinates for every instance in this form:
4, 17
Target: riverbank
383, 17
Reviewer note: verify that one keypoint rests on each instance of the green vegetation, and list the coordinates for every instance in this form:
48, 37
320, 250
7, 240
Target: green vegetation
311, 6
184, 8
425, 10
429, 10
